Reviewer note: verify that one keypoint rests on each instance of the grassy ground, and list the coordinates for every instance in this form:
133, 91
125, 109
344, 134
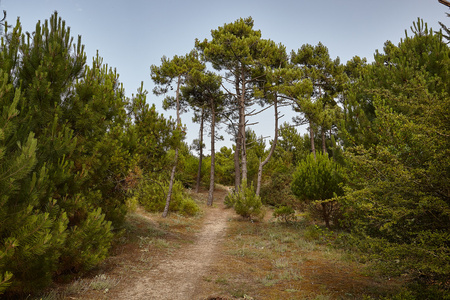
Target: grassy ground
147, 239
258, 260
272, 260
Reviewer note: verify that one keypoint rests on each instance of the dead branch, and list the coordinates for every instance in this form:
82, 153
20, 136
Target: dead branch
444, 2
252, 113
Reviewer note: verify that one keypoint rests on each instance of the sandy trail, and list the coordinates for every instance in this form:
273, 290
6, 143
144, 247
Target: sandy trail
178, 276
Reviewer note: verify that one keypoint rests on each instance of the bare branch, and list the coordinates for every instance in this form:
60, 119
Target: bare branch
446, 3
230, 93
254, 114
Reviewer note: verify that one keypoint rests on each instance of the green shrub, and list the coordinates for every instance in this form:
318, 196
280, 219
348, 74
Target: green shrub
152, 195
319, 178
246, 203
229, 199
87, 244
285, 213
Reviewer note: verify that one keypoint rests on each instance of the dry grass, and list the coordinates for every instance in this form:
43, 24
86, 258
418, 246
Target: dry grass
261, 260
269, 260
147, 239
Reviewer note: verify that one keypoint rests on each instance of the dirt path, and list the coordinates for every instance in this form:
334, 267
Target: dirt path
178, 276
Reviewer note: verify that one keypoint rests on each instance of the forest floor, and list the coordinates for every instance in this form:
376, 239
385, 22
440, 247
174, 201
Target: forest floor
218, 255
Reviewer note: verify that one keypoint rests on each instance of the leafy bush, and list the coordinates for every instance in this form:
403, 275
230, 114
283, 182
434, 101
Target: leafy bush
152, 195
187, 167
319, 179
229, 199
88, 243
246, 203
285, 213
397, 204
276, 188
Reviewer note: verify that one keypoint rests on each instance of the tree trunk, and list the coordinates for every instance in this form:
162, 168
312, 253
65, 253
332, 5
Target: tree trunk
242, 128
311, 137
324, 146
172, 175
326, 214
172, 179
213, 155
199, 172
237, 151
272, 149
237, 169
333, 145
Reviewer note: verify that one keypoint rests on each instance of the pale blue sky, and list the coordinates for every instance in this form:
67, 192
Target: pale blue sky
131, 35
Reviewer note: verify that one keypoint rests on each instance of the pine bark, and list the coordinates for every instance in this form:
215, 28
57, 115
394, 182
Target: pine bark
272, 149
242, 128
237, 151
324, 146
174, 168
444, 2
311, 137
213, 155
199, 171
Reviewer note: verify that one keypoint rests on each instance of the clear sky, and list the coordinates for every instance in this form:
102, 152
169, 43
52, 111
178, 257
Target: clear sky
131, 35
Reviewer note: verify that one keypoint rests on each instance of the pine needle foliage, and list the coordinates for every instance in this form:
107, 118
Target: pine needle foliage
397, 203
62, 157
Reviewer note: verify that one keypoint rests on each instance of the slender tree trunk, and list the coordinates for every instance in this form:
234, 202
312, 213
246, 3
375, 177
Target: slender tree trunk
272, 149
199, 172
324, 146
237, 151
172, 175
311, 137
172, 179
213, 155
326, 214
237, 169
242, 128
333, 146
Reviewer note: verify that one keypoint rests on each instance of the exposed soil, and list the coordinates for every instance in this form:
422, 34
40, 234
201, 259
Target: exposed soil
220, 256
177, 276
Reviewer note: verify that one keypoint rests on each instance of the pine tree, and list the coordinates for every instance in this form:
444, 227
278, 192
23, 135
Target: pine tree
176, 69
63, 140
31, 235
398, 204
239, 50
203, 90
327, 77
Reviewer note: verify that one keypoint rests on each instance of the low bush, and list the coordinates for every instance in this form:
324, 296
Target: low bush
152, 195
285, 214
246, 203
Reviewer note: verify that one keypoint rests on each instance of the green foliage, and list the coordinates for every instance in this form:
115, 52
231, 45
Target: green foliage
276, 183
5, 281
152, 195
229, 199
397, 204
246, 203
318, 179
291, 145
88, 244
187, 167
69, 154
285, 214
225, 166
255, 153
